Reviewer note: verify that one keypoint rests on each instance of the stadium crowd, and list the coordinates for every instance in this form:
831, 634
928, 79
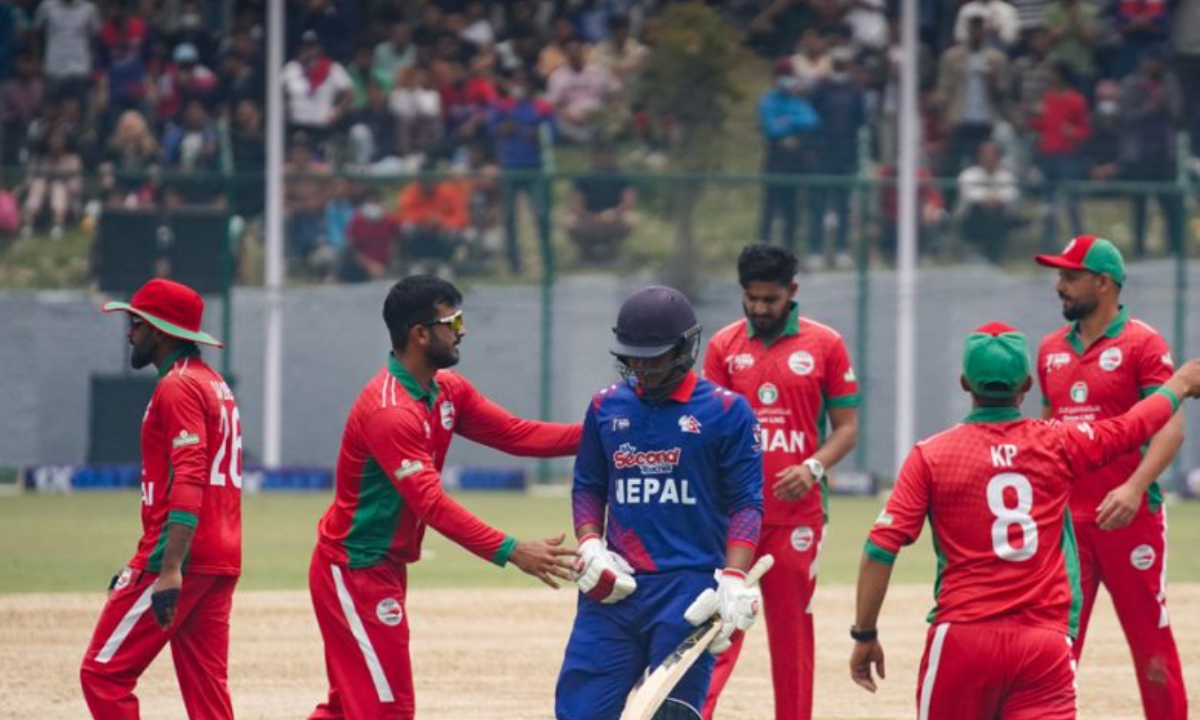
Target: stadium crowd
158, 105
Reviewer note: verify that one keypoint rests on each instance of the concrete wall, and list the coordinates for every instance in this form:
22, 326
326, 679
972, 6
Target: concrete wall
334, 339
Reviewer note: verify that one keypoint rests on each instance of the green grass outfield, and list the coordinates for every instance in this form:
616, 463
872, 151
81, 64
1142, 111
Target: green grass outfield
72, 543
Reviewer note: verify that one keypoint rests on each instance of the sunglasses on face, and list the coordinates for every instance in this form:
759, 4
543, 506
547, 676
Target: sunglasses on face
455, 322
135, 322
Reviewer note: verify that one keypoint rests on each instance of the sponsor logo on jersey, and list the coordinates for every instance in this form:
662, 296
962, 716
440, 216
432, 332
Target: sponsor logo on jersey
885, 519
789, 441
1142, 557
185, 439
768, 394
1057, 361
123, 579
428, 430
1079, 392
408, 467
1168, 360
1086, 429
849, 376
620, 424
802, 538
1110, 359
801, 362
740, 362
689, 424
651, 462
654, 491
389, 612
446, 411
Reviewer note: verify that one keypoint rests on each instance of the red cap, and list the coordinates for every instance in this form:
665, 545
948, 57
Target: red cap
995, 328
1091, 253
172, 307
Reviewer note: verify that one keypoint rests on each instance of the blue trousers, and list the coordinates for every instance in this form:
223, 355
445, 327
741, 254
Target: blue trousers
611, 646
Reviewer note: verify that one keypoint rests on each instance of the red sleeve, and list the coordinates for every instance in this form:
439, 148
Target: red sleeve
185, 418
1155, 365
1082, 125
715, 368
396, 440
841, 384
1091, 445
487, 423
904, 515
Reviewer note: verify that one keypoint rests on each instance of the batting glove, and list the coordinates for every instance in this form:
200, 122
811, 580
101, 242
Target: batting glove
734, 601
601, 574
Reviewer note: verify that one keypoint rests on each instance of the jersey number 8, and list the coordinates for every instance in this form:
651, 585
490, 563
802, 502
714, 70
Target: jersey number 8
1007, 516
231, 448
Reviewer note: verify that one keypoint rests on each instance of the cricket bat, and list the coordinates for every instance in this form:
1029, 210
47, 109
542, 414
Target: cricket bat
646, 697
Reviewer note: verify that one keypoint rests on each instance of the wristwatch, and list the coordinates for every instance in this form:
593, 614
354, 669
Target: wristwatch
863, 635
816, 468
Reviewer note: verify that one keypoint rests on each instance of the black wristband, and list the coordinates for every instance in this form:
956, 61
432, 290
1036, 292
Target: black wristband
863, 635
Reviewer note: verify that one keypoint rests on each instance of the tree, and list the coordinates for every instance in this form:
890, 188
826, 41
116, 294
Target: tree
688, 87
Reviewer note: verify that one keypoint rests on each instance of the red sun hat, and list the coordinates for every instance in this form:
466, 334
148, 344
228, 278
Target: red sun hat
172, 307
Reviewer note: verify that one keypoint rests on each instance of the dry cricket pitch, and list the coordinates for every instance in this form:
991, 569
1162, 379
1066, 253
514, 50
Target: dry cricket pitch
494, 654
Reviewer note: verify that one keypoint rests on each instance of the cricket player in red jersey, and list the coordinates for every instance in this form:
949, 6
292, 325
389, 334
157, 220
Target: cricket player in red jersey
178, 588
797, 375
1097, 367
388, 489
995, 489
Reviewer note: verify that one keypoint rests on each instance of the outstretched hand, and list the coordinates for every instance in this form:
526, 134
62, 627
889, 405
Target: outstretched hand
545, 559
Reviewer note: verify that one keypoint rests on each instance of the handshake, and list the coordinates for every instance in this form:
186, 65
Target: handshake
607, 578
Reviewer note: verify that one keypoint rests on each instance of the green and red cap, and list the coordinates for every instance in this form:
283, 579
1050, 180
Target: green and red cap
172, 307
996, 361
1090, 253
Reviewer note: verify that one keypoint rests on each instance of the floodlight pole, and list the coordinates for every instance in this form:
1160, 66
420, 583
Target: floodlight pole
273, 356
906, 266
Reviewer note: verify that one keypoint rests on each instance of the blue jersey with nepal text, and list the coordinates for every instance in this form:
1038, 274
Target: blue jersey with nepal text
671, 473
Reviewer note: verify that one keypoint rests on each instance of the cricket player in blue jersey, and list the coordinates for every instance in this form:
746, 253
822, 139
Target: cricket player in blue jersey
674, 462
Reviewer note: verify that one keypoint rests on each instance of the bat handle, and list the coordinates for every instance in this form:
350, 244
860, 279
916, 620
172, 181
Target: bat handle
760, 568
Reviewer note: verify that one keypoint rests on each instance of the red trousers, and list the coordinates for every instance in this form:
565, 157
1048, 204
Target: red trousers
787, 594
996, 670
127, 640
1131, 562
365, 628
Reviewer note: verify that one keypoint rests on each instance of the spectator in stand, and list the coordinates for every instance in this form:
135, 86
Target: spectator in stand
21, 100
192, 29
972, 78
813, 60
126, 83
789, 124
841, 104
1142, 28
361, 71
1031, 74
1072, 25
601, 215
516, 123
395, 54
520, 51
54, 185
417, 108
248, 149
484, 238
370, 236
10, 37
1104, 145
989, 204
1185, 44
1062, 128
554, 54
432, 214
130, 157
240, 78
466, 102
622, 55
335, 24
372, 129
304, 197
867, 20
183, 80
123, 32
477, 29
1001, 25
70, 28
1153, 106
318, 91
579, 93
931, 214
191, 151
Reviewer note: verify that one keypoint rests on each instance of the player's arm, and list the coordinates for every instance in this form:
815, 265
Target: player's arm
1121, 504
396, 440
487, 423
741, 468
183, 411
898, 525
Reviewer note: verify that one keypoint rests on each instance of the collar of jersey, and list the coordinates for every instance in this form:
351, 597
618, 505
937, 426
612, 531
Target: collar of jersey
993, 414
187, 350
792, 327
1114, 329
411, 386
683, 393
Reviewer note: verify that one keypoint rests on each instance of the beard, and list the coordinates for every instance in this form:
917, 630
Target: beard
443, 356
140, 357
1077, 310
